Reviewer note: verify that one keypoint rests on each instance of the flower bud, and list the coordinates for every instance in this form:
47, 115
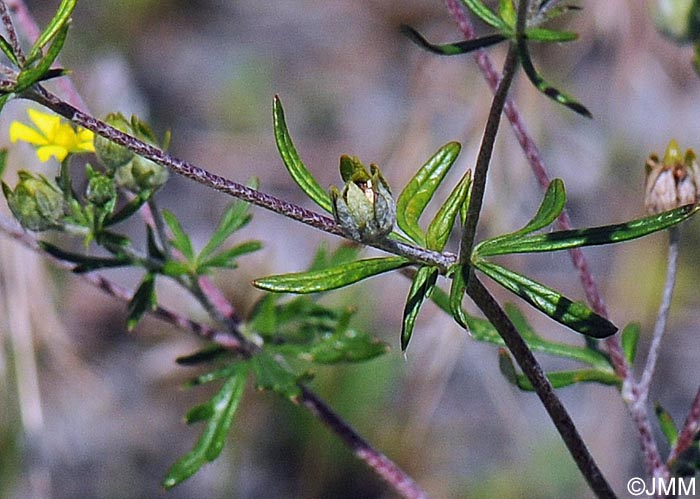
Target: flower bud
100, 188
111, 154
36, 202
364, 208
672, 181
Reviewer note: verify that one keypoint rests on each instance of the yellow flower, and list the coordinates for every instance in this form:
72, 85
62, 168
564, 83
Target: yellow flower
51, 136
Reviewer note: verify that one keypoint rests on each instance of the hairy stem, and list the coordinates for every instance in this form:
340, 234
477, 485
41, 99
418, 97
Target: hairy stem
690, 429
240, 191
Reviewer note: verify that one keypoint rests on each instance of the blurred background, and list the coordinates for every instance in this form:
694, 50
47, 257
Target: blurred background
89, 410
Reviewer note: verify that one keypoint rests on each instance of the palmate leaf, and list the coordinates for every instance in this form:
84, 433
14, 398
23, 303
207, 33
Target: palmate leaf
422, 286
218, 413
594, 236
575, 315
292, 161
331, 278
420, 189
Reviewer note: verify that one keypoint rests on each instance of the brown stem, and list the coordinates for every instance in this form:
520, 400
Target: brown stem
689, 431
531, 368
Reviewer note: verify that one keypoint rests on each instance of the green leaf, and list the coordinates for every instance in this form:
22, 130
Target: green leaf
486, 15
423, 283
227, 257
542, 85
144, 299
331, 278
4, 98
221, 373
180, 241
346, 345
154, 250
629, 339
56, 25
234, 218
129, 208
550, 208
83, 263
421, 188
575, 315
507, 12
608, 234
270, 375
668, 427
6, 48
454, 48
292, 161
42, 71
219, 415
204, 355
506, 366
561, 379
482, 330
344, 253
440, 228
456, 296
547, 35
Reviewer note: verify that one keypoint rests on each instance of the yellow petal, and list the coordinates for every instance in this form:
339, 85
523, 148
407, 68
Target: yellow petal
45, 152
20, 131
85, 147
47, 123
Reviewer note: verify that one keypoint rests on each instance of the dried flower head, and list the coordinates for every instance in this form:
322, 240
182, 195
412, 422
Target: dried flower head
672, 181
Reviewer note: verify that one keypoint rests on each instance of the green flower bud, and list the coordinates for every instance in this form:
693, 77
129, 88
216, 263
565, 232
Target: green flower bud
672, 181
101, 189
113, 155
364, 209
36, 202
140, 174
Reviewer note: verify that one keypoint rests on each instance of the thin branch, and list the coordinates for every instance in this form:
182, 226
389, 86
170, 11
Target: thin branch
11, 33
660, 326
378, 462
531, 368
221, 184
690, 429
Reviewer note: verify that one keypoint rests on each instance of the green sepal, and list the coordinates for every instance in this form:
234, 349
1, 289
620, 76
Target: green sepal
292, 161
42, 71
58, 23
666, 424
144, 299
454, 48
6, 48
270, 375
594, 236
219, 414
629, 339
330, 278
440, 228
423, 283
180, 241
234, 218
421, 188
575, 315
3, 161
487, 15
83, 263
